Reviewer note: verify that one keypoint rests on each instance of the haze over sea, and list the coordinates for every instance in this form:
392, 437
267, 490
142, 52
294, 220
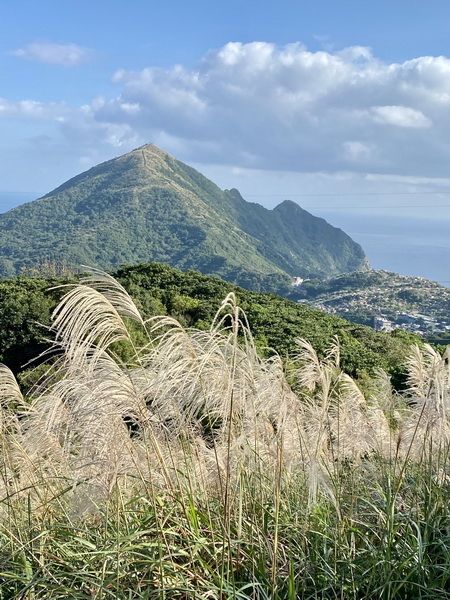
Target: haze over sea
405, 245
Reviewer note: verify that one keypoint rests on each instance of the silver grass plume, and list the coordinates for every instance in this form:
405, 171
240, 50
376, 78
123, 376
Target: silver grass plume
197, 409
11, 399
427, 426
89, 317
11, 405
358, 427
318, 380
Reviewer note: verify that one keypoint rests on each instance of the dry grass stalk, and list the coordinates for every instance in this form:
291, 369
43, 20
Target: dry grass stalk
196, 410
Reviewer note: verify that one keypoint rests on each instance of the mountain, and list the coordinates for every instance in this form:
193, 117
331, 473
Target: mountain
146, 205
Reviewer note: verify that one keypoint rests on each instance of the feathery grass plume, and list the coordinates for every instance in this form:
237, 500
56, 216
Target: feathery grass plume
358, 428
200, 373
11, 405
202, 386
111, 289
319, 380
339, 424
391, 402
89, 316
193, 387
195, 470
11, 399
417, 366
76, 424
79, 430
427, 427
279, 415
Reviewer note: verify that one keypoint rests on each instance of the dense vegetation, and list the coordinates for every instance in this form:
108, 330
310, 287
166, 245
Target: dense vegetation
148, 206
194, 298
200, 469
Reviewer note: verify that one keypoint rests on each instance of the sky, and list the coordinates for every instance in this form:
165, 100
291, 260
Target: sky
340, 105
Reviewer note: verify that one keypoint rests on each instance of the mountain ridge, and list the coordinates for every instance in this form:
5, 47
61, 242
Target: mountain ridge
146, 205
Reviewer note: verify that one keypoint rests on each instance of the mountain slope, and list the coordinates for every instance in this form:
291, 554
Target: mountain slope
146, 205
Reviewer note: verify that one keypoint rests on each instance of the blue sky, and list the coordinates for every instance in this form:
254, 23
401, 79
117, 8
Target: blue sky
342, 106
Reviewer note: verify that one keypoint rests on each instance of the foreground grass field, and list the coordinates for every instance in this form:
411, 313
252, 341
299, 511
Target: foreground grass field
189, 467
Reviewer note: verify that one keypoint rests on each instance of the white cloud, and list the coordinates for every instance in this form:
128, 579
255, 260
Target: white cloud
402, 116
263, 106
356, 151
67, 55
31, 109
260, 106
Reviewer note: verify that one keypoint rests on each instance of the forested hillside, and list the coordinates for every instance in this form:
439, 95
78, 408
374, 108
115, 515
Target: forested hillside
146, 206
194, 298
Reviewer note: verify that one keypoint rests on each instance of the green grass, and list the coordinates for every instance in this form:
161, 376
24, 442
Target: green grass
365, 543
197, 471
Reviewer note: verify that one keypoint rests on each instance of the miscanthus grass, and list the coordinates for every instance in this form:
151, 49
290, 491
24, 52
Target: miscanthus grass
198, 469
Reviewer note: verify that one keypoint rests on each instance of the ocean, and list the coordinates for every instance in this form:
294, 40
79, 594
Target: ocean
403, 244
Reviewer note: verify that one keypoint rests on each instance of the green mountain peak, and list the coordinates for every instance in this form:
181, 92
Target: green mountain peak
148, 206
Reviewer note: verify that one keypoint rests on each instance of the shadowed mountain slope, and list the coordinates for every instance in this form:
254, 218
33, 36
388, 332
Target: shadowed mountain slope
146, 205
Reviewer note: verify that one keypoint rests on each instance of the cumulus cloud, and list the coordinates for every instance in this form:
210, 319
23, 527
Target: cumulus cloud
67, 55
261, 106
78, 124
32, 109
402, 116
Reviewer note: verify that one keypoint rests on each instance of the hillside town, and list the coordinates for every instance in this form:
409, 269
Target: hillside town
383, 300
